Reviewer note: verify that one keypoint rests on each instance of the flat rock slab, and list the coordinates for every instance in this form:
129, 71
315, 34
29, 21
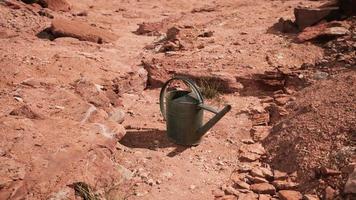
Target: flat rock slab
80, 30
332, 29
289, 195
305, 17
263, 188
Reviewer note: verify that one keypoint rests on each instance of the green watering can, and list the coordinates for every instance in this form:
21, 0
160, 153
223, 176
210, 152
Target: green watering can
183, 112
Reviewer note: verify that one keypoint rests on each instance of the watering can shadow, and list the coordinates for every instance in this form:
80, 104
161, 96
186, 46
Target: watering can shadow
183, 112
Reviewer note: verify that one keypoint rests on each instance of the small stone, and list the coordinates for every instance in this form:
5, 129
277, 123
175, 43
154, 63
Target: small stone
46, 13
227, 197
192, 187
263, 188
289, 195
206, 34
259, 133
310, 197
260, 119
330, 193
140, 194
150, 182
19, 99
25, 111
262, 172
2, 153
284, 185
282, 100
245, 168
117, 116
248, 196
167, 175
220, 163
320, 75
242, 185
264, 197
249, 157
244, 191
82, 13
278, 175
247, 141
267, 173
218, 193
329, 172
256, 179
230, 190
256, 148
257, 172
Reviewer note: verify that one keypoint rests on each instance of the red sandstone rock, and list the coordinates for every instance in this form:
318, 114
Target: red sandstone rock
289, 195
80, 30
57, 5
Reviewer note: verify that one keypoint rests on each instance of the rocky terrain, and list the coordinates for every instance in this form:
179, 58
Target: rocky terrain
79, 99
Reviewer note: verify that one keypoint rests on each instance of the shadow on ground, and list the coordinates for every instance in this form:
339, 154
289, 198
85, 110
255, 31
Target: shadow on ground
152, 139
258, 85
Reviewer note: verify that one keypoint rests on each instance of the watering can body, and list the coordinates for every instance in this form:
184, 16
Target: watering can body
184, 112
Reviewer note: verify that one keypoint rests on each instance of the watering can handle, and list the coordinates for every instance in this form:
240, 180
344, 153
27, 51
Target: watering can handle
186, 81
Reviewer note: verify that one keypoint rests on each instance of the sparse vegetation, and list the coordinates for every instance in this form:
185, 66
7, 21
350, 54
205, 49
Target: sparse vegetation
85, 191
209, 87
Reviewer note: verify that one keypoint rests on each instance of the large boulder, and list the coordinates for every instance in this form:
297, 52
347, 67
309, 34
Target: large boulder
80, 30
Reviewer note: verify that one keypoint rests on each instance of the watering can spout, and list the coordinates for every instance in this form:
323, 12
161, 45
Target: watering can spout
218, 115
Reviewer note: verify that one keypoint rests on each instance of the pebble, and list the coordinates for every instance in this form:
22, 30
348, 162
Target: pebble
192, 187
218, 193
168, 175
320, 75
247, 141
150, 182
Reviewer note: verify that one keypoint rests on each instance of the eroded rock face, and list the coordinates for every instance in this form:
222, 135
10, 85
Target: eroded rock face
80, 30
